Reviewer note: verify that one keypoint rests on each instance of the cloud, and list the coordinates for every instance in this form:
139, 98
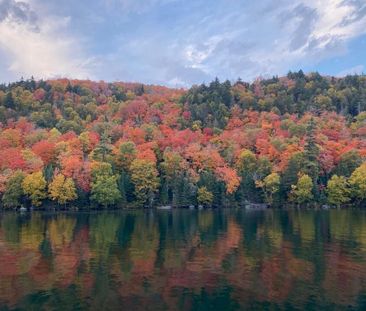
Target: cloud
338, 19
38, 45
173, 41
18, 12
135, 6
304, 19
274, 39
359, 69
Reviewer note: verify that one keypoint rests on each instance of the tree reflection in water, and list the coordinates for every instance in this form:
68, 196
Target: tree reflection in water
184, 260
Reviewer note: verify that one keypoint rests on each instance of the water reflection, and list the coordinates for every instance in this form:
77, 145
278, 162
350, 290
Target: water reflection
184, 260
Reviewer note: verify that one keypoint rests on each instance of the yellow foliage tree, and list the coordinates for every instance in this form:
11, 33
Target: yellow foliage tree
34, 185
338, 191
246, 161
270, 186
62, 189
204, 196
357, 183
302, 192
144, 176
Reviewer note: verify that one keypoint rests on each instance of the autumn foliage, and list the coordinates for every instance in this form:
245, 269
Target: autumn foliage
278, 140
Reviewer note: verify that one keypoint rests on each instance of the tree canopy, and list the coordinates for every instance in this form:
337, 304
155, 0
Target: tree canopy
126, 143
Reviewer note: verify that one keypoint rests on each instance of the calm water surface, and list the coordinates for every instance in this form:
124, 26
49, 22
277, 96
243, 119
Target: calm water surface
184, 260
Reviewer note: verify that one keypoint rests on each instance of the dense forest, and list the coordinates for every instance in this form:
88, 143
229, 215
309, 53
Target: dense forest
299, 140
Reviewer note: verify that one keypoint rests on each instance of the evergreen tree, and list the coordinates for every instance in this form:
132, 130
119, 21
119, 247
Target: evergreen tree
103, 150
311, 152
9, 100
348, 163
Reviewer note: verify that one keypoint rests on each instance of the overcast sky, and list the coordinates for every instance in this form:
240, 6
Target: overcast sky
180, 42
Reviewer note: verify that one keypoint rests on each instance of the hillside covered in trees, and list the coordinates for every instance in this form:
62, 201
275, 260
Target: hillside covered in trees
299, 139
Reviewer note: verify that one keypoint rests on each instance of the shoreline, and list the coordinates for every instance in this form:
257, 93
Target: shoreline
98, 210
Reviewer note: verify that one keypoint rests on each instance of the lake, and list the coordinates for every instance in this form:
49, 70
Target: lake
225, 259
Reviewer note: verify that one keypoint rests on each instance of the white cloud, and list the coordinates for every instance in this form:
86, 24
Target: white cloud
231, 39
337, 20
40, 47
359, 69
292, 34
184, 43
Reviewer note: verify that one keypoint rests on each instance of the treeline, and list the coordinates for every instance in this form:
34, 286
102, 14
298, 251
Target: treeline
298, 139
210, 106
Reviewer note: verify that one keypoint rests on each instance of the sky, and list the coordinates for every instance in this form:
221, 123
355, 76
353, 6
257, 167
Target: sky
180, 42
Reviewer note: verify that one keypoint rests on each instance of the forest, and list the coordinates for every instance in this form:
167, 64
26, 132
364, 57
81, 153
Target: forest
298, 140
